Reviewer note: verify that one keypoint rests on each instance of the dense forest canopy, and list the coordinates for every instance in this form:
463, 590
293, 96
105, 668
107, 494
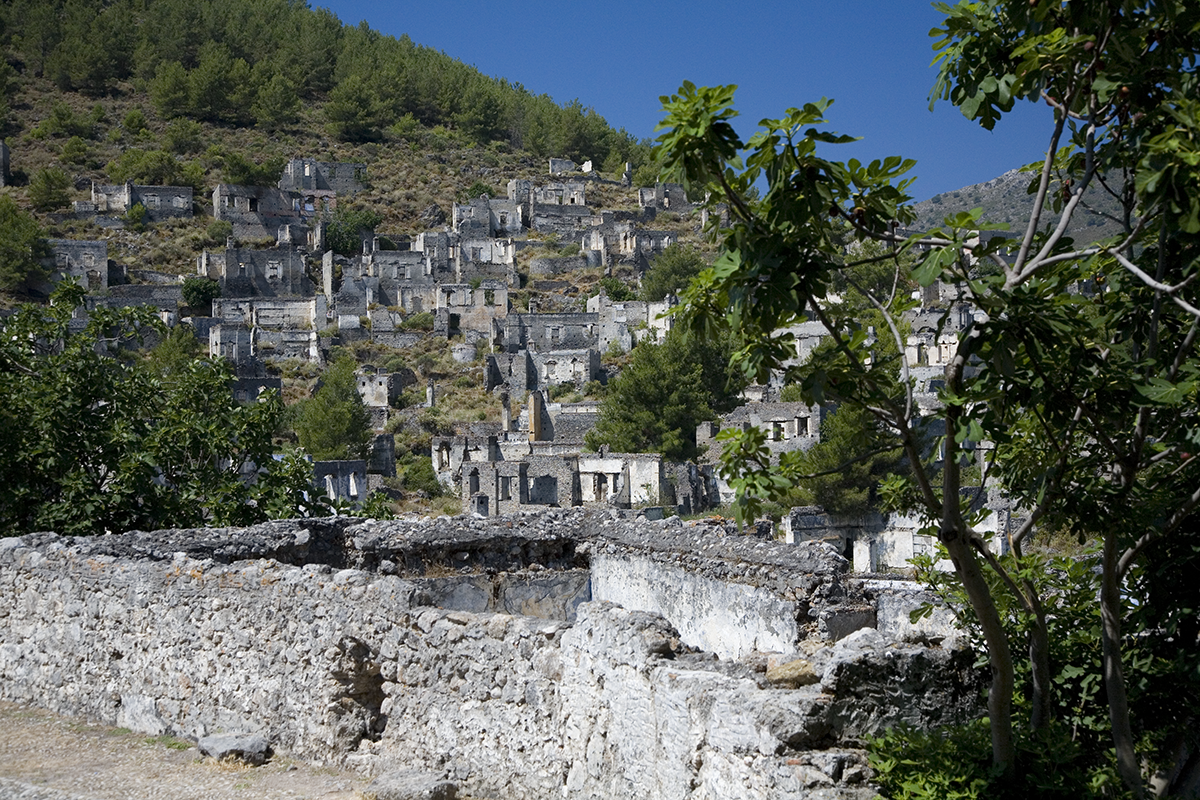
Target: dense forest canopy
243, 62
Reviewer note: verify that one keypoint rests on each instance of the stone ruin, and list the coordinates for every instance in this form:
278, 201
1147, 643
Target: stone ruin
566, 653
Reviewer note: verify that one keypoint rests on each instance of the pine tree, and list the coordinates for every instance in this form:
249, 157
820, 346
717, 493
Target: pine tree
334, 424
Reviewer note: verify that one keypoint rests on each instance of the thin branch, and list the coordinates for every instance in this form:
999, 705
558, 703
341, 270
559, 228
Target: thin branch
892, 416
1153, 284
1184, 347
1040, 200
1063, 222
872, 260
891, 323
1144, 276
993, 562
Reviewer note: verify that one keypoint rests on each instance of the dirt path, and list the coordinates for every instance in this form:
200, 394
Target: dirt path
47, 757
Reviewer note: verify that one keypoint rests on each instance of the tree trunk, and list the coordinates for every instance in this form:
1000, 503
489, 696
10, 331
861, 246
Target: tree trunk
1114, 677
1039, 660
999, 655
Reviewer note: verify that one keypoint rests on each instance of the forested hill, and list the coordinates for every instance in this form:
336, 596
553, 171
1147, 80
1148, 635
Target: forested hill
263, 63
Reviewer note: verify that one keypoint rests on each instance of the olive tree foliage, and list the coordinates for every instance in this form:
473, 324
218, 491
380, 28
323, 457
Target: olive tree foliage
93, 438
1083, 375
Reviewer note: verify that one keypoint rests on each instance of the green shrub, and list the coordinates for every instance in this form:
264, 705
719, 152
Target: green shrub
135, 122
418, 322
407, 127
418, 476
560, 390
476, 190
184, 136
594, 389
616, 289
199, 292
218, 232
671, 271
62, 121
136, 218
344, 229
377, 506
954, 763
792, 393
151, 167
75, 151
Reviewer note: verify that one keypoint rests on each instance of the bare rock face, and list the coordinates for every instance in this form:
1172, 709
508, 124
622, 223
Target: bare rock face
879, 682
433, 216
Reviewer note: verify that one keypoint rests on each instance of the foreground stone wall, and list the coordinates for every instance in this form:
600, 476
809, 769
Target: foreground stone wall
380, 644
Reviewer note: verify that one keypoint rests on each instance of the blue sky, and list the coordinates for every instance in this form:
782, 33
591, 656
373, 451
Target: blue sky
618, 56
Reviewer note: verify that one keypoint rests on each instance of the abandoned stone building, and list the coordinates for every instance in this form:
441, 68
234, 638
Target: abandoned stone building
486, 217
608, 241
381, 390
84, 262
341, 480
463, 308
538, 459
272, 312
624, 480
247, 389
245, 347
546, 332
320, 180
623, 324
234, 343
163, 298
464, 277
407, 278
787, 426
260, 212
664, 197
160, 202
245, 272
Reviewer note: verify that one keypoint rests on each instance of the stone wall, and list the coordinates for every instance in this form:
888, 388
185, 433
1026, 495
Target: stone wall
381, 644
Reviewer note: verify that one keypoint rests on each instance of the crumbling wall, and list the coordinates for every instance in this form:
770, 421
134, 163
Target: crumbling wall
326, 636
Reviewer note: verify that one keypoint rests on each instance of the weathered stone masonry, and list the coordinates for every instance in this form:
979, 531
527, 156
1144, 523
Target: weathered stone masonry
480, 649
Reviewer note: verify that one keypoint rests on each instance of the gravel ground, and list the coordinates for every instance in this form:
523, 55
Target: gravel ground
47, 757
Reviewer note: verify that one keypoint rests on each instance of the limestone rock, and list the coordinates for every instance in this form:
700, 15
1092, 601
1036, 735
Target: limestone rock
140, 714
248, 747
433, 216
793, 674
412, 785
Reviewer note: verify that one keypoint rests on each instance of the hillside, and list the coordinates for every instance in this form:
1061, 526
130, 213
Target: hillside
198, 93
81, 110
1007, 199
